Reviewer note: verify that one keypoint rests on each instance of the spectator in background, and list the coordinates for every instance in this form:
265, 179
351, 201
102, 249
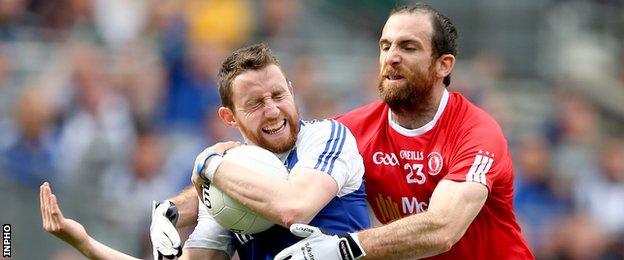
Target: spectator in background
30, 156
538, 202
602, 195
278, 24
139, 75
190, 99
97, 125
278, 18
192, 88
481, 82
314, 101
483, 76
216, 131
579, 237
197, 38
59, 20
574, 134
120, 22
130, 188
96, 129
305, 73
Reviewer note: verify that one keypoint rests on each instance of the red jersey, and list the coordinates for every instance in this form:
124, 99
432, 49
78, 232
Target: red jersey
462, 143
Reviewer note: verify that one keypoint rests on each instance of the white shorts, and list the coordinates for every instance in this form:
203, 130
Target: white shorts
208, 234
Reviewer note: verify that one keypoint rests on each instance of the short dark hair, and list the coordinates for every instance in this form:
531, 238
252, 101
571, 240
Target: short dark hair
444, 38
253, 57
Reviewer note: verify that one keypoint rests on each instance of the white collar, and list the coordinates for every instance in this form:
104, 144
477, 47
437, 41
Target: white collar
423, 129
284, 156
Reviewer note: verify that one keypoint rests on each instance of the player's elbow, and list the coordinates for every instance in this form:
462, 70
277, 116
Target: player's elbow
293, 214
445, 236
285, 220
450, 235
444, 243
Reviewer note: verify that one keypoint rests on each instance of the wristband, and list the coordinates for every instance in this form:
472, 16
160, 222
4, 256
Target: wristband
201, 166
354, 249
212, 166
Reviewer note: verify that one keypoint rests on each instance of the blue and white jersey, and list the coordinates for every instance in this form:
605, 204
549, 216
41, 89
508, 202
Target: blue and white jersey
329, 147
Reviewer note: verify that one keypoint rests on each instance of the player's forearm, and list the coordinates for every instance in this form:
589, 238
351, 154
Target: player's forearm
93, 249
81, 242
453, 206
273, 198
415, 236
187, 203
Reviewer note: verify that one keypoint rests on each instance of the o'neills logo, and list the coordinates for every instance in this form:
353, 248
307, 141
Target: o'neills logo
434, 163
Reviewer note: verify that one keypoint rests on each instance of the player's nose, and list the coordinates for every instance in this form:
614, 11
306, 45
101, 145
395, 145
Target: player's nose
393, 57
271, 110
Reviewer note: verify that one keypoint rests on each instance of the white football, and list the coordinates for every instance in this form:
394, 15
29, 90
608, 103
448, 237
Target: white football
228, 212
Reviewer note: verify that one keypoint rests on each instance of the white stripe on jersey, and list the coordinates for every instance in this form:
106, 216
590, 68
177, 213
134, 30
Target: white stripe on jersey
333, 148
328, 146
479, 168
487, 169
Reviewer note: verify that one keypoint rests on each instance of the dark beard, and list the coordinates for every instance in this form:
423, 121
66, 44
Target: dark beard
413, 97
274, 147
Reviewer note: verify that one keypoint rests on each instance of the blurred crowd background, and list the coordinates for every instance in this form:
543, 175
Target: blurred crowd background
110, 101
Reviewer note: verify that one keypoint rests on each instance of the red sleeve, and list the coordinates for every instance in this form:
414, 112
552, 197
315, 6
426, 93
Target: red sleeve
482, 156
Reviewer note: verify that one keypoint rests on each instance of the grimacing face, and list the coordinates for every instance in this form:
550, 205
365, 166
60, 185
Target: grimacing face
264, 109
407, 72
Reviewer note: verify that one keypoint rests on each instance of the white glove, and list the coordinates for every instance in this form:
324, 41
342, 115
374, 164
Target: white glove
164, 236
318, 245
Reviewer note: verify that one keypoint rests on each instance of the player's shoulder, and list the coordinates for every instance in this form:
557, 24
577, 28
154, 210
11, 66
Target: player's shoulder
320, 127
471, 127
318, 124
468, 117
327, 133
363, 114
365, 118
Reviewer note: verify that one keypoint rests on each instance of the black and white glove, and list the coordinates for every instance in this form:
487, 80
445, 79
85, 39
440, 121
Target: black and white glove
164, 236
317, 245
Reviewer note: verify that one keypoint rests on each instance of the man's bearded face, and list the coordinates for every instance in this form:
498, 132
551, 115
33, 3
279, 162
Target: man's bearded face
406, 89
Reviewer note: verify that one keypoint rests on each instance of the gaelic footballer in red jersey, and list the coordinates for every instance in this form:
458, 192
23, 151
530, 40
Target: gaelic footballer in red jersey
463, 144
437, 168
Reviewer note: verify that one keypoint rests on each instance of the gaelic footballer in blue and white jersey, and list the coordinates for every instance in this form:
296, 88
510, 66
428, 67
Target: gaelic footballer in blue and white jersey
323, 145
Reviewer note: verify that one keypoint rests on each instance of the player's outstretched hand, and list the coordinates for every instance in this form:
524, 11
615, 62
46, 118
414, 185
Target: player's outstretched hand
54, 223
318, 245
71, 231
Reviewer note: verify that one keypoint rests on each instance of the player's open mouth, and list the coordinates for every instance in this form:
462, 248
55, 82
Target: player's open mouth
275, 127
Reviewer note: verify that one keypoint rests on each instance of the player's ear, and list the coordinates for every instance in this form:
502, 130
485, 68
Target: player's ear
227, 116
445, 65
290, 88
